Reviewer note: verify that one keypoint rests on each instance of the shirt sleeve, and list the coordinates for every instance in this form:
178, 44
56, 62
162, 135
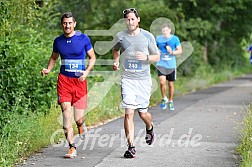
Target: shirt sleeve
88, 45
153, 49
117, 44
177, 42
250, 48
55, 48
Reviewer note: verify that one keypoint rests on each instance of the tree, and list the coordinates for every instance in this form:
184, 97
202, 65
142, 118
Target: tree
24, 36
224, 25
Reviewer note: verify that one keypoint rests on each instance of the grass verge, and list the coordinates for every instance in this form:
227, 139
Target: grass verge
25, 134
245, 146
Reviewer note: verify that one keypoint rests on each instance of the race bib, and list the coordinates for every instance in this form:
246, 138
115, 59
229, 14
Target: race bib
133, 65
73, 65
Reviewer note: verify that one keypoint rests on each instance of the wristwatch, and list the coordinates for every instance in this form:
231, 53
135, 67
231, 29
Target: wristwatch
147, 58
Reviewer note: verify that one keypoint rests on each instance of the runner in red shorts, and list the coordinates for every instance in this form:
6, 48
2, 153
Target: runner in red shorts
72, 47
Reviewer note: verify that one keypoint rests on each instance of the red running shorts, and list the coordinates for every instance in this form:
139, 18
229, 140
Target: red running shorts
72, 90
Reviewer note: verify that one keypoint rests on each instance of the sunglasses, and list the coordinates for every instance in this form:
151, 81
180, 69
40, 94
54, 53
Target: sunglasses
126, 11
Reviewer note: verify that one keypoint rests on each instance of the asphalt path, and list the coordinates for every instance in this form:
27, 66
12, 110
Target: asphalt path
202, 131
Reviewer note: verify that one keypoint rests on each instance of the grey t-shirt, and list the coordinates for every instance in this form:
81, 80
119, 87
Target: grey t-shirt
143, 42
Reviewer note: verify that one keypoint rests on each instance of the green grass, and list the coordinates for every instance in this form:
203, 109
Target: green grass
245, 147
108, 108
25, 134
28, 133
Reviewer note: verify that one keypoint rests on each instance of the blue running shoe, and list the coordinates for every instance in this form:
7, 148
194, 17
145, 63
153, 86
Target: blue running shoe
171, 105
163, 104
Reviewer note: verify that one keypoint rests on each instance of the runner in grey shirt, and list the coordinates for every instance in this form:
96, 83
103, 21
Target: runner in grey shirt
138, 48
131, 45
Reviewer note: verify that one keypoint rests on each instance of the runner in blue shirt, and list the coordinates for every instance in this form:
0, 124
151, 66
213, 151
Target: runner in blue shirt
72, 47
169, 46
250, 50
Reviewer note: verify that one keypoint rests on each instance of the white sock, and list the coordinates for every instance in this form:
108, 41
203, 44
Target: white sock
165, 98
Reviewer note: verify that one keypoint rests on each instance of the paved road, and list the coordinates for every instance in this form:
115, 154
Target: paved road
202, 131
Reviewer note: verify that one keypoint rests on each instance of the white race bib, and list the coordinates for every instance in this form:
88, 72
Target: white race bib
133, 65
73, 65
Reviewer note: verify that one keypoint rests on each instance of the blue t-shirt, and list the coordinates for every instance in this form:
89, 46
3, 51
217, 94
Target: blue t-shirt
250, 50
167, 60
73, 53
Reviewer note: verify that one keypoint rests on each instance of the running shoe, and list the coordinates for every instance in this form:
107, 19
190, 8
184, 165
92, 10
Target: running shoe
82, 130
163, 104
149, 138
130, 153
171, 105
71, 153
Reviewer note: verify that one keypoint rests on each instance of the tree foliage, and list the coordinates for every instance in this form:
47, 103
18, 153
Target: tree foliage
216, 28
25, 37
223, 25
